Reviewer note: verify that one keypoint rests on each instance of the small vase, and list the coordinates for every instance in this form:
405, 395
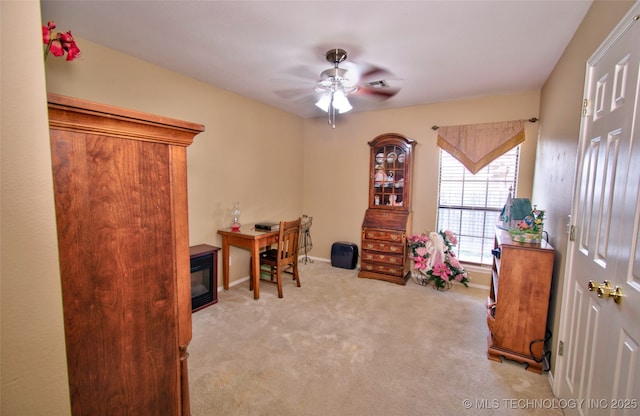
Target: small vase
235, 214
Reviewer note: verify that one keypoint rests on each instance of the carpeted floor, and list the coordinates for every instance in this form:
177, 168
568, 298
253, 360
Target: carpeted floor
340, 345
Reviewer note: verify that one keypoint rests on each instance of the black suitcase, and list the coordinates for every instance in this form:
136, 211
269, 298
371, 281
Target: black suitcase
344, 255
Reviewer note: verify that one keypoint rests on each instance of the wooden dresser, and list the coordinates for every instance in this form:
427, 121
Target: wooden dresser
388, 218
518, 300
120, 185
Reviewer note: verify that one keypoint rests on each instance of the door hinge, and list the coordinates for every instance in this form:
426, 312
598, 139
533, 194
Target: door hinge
585, 107
561, 348
572, 233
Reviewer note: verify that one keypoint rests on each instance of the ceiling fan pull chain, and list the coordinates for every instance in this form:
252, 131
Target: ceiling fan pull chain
332, 113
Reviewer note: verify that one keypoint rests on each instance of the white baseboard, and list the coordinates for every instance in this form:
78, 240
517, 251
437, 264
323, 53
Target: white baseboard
477, 286
476, 269
321, 260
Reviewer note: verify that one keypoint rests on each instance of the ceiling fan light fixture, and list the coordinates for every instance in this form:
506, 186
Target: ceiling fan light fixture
334, 100
324, 102
341, 102
337, 84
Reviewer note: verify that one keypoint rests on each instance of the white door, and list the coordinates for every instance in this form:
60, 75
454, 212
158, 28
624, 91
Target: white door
599, 372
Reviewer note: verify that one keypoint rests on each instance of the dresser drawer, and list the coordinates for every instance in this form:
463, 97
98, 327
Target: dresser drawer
380, 257
379, 245
393, 270
385, 235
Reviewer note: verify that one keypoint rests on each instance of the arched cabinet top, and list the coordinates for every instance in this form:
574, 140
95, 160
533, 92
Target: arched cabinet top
393, 137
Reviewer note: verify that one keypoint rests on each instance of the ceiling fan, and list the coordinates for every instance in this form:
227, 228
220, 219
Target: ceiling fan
337, 84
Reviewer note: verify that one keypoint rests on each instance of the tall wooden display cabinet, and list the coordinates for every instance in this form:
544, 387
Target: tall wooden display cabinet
121, 209
388, 218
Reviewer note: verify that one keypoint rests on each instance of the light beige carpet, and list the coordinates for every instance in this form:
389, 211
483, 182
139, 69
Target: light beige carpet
341, 345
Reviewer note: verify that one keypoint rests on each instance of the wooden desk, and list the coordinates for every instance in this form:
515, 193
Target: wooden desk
251, 240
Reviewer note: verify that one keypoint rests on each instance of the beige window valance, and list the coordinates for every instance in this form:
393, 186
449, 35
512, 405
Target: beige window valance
477, 145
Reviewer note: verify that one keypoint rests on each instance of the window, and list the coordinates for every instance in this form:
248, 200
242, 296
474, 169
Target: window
469, 205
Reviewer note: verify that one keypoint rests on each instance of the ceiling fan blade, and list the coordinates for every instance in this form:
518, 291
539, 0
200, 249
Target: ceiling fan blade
375, 73
301, 72
379, 93
364, 72
294, 93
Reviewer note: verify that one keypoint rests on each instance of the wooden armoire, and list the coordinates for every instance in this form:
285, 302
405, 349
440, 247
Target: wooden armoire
120, 184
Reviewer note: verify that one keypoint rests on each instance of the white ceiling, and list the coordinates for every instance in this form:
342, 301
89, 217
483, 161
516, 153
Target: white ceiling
274, 51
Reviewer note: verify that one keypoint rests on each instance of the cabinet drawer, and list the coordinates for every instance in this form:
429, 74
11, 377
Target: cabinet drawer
385, 235
379, 245
379, 257
389, 269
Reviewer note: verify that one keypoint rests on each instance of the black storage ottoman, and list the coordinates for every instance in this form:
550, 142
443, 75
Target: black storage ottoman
344, 255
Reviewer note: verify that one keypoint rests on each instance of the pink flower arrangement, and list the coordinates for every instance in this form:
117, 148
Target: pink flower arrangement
432, 256
450, 237
418, 252
59, 44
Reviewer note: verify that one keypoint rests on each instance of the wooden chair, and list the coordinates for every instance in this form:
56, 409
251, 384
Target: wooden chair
285, 257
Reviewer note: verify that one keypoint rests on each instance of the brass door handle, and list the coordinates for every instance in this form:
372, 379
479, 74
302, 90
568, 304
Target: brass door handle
616, 294
605, 290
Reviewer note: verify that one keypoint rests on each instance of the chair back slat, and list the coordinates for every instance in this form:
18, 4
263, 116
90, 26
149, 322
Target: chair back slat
288, 241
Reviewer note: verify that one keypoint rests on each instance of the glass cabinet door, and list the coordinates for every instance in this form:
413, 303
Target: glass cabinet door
390, 174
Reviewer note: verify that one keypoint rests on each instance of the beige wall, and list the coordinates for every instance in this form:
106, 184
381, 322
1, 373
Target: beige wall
560, 105
33, 363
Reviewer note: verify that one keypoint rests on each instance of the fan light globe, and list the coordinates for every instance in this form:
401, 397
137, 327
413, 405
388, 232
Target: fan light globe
337, 100
341, 102
323, 102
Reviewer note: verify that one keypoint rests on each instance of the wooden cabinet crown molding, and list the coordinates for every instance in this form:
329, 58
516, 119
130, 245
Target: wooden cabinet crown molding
74, 114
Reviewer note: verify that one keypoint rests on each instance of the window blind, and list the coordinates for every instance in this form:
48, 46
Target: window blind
469, 205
